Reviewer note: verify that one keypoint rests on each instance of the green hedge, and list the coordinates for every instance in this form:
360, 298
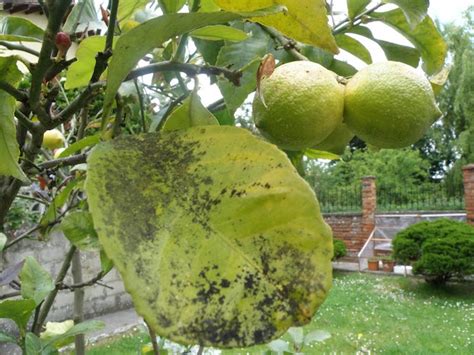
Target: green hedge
340, 249
437, 250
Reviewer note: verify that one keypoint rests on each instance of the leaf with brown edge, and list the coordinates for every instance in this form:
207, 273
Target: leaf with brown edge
217, 238
266, 68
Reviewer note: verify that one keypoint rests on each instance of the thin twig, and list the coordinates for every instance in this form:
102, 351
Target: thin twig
92, 281
288, 44
233, 76
347, 22
142, 106
52, 295
10, 295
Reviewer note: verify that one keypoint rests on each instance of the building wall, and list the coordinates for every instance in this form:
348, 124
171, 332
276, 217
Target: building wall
98, 299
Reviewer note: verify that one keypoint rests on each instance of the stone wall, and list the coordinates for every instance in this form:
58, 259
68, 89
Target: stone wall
98, 299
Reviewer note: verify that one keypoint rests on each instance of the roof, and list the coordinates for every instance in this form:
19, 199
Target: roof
26, 6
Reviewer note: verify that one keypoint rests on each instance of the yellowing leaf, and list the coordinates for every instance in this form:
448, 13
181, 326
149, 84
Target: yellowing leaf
305, 21
9, 150
217, 238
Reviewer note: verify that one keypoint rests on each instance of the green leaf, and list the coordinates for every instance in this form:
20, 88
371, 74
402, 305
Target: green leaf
80, 72
83, 12
171, 6
393, 51
5, 338
425, 37
218, 217
56, 328
3, 241
415, 11
206, 5
305, 20
9, 150
319, 154
208, 49
239, 56
133, 45
297, 334
316, 336
33, 344
17, 29
59, 200
105, 263
36, 282
191, 113
354, 47
437, 82
356, 7
79, 145
342, 68
81, 328
17, 310
79, 229
128, 7
218, 33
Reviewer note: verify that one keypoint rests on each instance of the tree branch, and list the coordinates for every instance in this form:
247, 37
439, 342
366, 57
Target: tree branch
288, 44
56, 163
92, 281
57, 9
17, 94
189, 69
19, 47
347, 22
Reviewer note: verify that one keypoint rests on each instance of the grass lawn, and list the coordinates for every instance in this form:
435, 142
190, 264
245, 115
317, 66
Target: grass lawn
380, 314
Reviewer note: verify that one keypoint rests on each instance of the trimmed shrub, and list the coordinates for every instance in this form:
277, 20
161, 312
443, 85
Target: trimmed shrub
340, 249
437, 250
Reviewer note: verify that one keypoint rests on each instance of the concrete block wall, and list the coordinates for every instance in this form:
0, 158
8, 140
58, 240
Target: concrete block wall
50, 254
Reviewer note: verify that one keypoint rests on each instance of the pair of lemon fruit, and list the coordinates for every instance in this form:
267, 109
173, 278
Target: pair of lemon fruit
388, 105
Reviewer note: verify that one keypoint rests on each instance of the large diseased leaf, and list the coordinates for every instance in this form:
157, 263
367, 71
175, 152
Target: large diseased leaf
305, 21
217, 238
133, 45
9, 150
425, 37
36, 282
415, 10
17, 29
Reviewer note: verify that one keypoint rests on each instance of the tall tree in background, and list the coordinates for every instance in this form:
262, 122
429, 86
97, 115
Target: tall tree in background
450, 144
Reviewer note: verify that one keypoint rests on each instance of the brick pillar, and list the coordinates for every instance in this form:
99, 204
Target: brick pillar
369, 204
468, 171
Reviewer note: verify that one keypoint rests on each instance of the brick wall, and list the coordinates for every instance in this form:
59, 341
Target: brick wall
348, 228
469, 192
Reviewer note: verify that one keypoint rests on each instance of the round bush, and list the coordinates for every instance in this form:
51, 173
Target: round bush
437, 250
340, 249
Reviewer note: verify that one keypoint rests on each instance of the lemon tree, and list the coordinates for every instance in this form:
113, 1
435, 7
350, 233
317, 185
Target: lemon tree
217, 238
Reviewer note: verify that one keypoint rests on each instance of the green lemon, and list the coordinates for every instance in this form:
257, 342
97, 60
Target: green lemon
53, 139
337, 141
303, 105
390, 105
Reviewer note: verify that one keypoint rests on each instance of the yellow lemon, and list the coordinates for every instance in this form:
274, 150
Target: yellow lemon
390, 105
53, 139
303, 104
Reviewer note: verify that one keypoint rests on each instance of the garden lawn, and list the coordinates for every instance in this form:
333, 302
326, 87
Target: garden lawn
380, 314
